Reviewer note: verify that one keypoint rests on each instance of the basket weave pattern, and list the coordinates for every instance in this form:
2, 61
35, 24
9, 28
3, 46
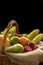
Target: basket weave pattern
5, 61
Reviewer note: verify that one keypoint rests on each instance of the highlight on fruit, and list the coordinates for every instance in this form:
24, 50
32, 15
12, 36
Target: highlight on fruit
21, 43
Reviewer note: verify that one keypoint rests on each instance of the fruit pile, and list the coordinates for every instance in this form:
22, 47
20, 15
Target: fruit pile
21, 43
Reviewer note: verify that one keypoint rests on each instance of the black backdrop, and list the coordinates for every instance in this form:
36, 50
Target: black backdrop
26, 23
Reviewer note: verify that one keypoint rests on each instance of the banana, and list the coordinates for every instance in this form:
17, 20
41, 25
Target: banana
24, 35
33, 34
37, 38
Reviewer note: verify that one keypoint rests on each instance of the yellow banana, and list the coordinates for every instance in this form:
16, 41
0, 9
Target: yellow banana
33, 34
37, 38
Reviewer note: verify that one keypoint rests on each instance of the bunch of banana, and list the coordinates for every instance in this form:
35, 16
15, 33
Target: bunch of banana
32, 34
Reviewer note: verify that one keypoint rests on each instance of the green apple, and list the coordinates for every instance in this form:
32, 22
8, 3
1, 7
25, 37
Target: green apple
14, 40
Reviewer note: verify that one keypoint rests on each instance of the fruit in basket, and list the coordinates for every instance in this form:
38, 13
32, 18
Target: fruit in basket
37, 38
32, 45
24, 40
7, 42
17, 48
3, 32
12, 30
27, 49
18, 35
9, 35
32, 34
14, 40
24, 35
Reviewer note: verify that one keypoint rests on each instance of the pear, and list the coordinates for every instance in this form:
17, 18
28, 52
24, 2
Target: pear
12, 30
17, 48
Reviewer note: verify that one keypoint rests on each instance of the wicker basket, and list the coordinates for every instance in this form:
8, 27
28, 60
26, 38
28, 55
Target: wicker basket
4, 60
31, 58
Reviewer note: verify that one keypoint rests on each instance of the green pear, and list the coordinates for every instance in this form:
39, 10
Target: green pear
17, 48
13, 30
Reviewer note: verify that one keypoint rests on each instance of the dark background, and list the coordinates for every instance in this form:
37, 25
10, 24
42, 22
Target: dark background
28, 21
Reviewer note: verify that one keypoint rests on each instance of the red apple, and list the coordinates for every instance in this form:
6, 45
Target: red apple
32, 45
27, 48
